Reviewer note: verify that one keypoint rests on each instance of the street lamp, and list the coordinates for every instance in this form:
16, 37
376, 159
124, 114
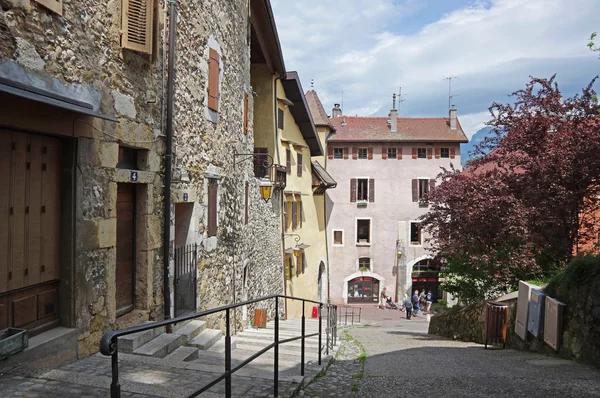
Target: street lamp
297, 249
265, 183
266, 188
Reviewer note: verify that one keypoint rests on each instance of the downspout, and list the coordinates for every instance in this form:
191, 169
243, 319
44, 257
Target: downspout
169, 158
281, 200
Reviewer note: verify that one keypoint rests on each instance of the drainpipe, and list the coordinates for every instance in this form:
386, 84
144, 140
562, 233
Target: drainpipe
169, 157
281, 200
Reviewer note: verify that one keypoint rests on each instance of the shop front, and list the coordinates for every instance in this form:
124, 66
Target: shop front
364, 289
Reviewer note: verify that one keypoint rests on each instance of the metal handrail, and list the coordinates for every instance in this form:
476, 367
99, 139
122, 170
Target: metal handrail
109, 342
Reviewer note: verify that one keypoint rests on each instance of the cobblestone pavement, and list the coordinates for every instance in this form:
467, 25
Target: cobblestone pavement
403, 360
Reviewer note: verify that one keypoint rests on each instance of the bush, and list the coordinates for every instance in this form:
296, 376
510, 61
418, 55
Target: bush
580, 271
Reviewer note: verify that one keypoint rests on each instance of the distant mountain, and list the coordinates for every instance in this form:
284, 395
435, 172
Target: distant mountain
478, 137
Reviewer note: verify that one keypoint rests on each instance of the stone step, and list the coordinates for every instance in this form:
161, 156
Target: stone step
206, 339
191, 330
291, 352
219, 346
133, 341
262, 341
183, 353
160, 346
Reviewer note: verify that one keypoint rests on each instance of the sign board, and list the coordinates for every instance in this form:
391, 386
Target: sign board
522, 309
134, 176
185, 197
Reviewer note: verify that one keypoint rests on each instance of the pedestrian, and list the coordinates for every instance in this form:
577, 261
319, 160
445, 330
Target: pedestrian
384, 296
429, 299
422, 301
404, 298
415, 303
407, 306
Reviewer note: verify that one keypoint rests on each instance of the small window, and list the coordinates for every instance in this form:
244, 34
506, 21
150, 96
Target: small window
338, 237
422, 153
338, 153
391, 153
261, 161
363, 231
280, 116
288, 160
299, 165
363, 153
213, 187
445, 152
415, 233
364, 264
423, 189
128, 158
362, 189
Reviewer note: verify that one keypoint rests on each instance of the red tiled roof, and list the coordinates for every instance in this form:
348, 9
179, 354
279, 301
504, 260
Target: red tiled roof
316, 109
410, 129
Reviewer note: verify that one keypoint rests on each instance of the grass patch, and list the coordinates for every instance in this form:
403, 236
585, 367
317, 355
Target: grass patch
581, 271
355, 387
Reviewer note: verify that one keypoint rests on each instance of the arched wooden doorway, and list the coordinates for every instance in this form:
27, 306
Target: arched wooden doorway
363, 289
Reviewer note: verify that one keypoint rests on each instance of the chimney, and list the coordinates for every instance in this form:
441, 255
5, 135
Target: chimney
453, 118
337, 111
394, 117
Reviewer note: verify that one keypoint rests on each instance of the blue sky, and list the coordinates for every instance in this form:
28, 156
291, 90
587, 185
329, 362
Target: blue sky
368, 48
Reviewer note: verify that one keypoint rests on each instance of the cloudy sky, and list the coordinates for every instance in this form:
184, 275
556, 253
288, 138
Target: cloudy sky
369, 48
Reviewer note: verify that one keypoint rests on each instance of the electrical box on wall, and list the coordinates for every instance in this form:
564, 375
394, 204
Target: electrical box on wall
522, 309
536, 312
553, 322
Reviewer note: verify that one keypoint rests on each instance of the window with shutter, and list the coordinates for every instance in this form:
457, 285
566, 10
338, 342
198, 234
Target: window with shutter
52, 5
371, 190
339, 153
354, 153
246, 115
452, 153
299, 165
370, 154
362, 189
280, 117
298, 264
399, 153
363, 153
346, 153
384, 154
437, 153
444, 152
294, 215
330, 152
289, 267
429, 153
212, 207
300, 214
214, 69
288, 161
260, 162
423, 190
422, 153
353, 190
392, 153
415, 190
136, 21
414, 153
338, 237
286, 217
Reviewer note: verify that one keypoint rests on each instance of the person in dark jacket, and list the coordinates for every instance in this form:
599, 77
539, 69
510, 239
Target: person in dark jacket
415, 302
408, 307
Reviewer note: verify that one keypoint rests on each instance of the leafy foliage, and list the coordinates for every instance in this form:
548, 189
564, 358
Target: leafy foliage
519, 210
581, 271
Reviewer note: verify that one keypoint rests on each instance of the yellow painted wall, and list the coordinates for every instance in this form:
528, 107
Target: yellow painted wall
264, 116
312, 231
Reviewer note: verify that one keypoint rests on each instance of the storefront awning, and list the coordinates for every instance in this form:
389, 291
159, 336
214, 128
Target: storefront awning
35, 94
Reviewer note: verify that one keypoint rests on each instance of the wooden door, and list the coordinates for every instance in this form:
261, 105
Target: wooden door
125, 275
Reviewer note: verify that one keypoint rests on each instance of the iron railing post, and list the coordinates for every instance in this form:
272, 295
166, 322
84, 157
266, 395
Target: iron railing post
302, 341
227, 355
359, 314
328, 326
352, 316
276, 359
320, 331
346, 317
115, 386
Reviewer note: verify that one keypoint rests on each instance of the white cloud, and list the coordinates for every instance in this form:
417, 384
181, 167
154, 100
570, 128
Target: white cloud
472, 122
493, 47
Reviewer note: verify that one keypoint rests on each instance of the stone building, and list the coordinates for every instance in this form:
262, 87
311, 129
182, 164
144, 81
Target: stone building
83, 123
384, 167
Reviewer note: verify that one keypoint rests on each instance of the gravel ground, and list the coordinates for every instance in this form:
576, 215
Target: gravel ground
403, 360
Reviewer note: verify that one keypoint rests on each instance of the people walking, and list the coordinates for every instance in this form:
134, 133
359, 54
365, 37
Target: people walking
407, 306
415, 303
429, 300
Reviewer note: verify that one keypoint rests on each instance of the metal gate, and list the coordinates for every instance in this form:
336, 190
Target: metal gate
186, 277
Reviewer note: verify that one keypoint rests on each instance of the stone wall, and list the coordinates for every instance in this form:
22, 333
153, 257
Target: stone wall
581, 326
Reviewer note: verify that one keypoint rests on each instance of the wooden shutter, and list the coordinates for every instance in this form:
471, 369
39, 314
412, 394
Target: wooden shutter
285, 216
399, 153
384, 153
136, 24
212, 207
214, 63
414, 153
431, 184
294, 215
346, 153
452, 153
370, 153
52, 5
288, 269
288, 161
371, 190
299, 165
354, 153
429, 153
415, 190
300, 213
330, 152
246, 113
437, 153
246, 203
353, 190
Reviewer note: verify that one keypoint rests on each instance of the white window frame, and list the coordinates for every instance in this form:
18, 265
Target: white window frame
333, 231
410, 243
366, 153
370, 219
370, 264
419, 179
419, 149
338, 148
442, 156
362, 178
395, 155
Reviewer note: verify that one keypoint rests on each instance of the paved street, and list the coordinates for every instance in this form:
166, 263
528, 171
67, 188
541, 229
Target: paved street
403, 361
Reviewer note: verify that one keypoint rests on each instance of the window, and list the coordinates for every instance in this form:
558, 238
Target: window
362, 191
128, 158
286, 215
423, 189
422, 153
300, 264
363, 231
445, 152
214, 69
299, 165
260, 162
246, 202
338, 153
213, 187
280, 177
289, 267
391, 153
137, 23
363, 153
338, 237
294, 215
424, 265
280, 116
420, 189
364, 264
288, 160
415, 233
363, 290
246, 113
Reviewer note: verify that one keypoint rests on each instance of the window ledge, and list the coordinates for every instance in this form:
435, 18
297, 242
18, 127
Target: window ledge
362, 244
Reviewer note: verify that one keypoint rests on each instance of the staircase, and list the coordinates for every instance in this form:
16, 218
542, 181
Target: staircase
156, 364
